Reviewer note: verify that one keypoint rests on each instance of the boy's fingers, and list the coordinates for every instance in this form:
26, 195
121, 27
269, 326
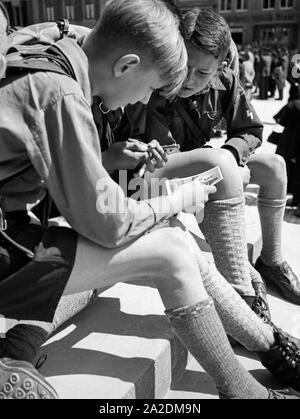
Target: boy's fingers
135, 145
150, 166
157, 149
159, 160
142, 171
211, 190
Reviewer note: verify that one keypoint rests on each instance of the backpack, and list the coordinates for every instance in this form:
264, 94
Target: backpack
27, 54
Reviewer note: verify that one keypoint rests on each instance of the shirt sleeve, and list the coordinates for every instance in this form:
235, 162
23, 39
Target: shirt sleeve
244, 127
66, 153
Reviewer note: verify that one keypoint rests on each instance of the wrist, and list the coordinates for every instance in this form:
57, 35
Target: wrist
163, 207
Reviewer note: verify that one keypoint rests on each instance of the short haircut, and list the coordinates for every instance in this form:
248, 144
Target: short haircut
150, 28
208, 31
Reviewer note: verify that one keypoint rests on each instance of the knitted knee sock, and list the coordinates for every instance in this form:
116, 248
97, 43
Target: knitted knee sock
255, 276
238, 319
23, 341
224, 227
271, 212
201, 331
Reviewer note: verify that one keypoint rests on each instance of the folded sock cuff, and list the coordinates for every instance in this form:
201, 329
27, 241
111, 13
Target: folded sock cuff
231, 201
271, 203
188, 311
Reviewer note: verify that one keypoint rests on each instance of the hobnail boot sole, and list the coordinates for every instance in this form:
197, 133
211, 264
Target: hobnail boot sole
21, 383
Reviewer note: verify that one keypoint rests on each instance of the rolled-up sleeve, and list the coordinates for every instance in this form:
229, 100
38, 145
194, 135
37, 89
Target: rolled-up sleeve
244, 127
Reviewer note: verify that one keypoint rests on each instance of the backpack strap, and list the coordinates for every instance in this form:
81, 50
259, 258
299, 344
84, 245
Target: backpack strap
30, 58
197, 133
21, 60
3, 222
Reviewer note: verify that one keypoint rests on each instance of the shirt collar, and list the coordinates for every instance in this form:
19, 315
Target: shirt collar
216, 84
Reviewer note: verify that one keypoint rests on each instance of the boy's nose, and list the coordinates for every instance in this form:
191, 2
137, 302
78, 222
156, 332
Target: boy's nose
189, 82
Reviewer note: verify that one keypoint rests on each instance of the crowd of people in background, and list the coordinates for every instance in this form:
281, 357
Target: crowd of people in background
264, 70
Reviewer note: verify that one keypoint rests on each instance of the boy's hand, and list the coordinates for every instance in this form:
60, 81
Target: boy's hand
126, 155
156, 158
133, 153
191, 197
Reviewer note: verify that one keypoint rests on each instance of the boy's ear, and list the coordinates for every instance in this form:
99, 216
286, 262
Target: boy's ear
125, 64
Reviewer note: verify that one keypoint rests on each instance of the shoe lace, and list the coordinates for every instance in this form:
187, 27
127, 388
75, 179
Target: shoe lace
290, 351
41, 362
260, 308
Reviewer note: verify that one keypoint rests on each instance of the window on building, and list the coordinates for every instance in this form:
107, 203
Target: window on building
70, 9
225, 5
90, 9
49, 10
241, 5
268, 4
286, 4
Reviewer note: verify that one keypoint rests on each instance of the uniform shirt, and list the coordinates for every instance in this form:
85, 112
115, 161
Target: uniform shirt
224, 97
48, 136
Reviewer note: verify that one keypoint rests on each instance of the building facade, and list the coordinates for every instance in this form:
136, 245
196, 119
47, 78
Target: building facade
263, 21
82, 12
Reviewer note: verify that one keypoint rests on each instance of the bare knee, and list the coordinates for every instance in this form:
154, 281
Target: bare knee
269, 170
231, 186
278, 167
174, 265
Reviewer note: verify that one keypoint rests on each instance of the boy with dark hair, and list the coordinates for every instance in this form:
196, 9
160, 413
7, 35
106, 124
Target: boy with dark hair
208, 95
52, 138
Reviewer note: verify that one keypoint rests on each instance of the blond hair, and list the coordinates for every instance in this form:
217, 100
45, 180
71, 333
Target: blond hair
149, 27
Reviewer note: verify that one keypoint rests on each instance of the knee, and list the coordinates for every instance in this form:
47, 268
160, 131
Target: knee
223, 158
279, 166
174, 264
227, 163
275, 169
232, 185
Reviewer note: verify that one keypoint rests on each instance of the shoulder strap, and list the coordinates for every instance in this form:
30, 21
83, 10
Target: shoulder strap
197, 133
52, 59
40, 57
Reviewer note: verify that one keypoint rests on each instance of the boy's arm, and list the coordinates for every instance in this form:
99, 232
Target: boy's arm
148, 122
244, 128
65, 151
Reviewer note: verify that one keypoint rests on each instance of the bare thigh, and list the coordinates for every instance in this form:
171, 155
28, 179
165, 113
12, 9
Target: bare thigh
193, 162
164, 256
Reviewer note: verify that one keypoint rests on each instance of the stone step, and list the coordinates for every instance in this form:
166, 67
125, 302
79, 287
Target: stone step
196, 384
122, 347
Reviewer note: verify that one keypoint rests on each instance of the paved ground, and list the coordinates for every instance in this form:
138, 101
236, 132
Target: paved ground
195, 383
